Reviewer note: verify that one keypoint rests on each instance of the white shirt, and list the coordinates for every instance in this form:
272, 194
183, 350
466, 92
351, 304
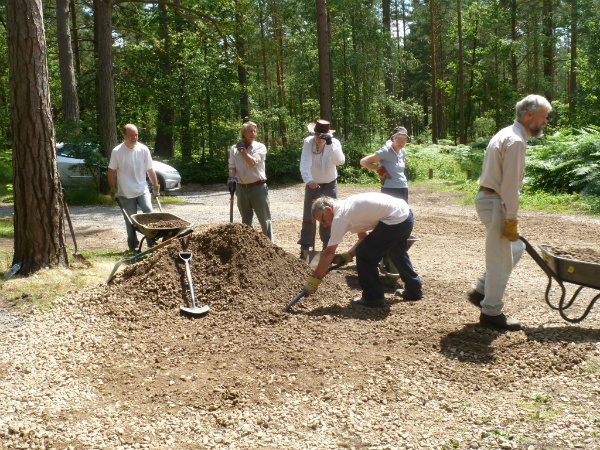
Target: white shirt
504, 166
243, 172
362, 212
320, 167
131, 165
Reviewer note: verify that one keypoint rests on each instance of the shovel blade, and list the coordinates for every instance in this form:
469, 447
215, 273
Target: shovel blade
312, 258
194, 310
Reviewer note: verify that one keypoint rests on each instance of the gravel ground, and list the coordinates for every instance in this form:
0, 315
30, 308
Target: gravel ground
117, 367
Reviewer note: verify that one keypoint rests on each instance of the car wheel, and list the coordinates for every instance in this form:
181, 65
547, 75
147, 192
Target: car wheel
161, 183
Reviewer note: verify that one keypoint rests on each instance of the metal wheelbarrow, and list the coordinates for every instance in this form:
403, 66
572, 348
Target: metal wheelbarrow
562, 270
152, 225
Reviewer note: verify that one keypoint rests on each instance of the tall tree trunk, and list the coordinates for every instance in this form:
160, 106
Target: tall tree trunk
278, 38
513, 36
38, 218
165, 143
471, 77
389, 76
573, 70
263, 49
323, 47
461, 83
407, 123
548, 49
240, 44
434, 131
397, 13
75, 36
68, 86
107, 126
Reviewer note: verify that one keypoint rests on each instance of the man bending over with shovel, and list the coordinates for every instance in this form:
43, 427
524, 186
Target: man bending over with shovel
390, 222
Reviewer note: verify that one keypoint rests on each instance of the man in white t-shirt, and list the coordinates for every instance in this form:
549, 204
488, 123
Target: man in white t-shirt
130, 162
390, 222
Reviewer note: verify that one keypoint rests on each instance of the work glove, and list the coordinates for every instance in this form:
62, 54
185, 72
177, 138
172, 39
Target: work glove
241, 145
511, 230
231, 182
156, 191
311, 285
328, 138
383, 174
113, 193
342, 258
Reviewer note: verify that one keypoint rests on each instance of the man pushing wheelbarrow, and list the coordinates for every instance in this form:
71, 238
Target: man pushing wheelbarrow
497, 205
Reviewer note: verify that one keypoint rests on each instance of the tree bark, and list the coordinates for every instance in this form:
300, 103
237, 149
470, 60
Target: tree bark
548, 49
68, 85
573, 70
323, 49
240, 44
165, 143
38, 221
75, 37
105, 105
434, 131
461, 83
263, 49
389, 76
513, 36
278, 38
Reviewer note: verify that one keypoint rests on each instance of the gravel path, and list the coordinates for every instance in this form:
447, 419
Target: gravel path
118, 368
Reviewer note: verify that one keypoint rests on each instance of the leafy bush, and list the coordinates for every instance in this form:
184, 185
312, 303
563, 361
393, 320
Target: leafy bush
566, 162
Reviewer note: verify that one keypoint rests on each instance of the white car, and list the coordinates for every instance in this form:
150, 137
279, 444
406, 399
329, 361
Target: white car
71, 178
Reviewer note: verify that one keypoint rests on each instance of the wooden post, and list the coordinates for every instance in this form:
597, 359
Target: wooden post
469, 174
430, 174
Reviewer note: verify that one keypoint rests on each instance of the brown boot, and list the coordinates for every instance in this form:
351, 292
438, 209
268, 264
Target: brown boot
500, 321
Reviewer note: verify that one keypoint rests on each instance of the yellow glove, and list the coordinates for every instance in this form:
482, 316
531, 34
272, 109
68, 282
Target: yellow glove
511, 230
311, 285
156, 191
113, 193
343, 258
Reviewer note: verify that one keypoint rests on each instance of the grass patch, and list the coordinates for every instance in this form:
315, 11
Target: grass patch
44, 287
7, 229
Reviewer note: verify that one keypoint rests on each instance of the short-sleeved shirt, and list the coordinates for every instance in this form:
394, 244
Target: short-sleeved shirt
131, 165
362, 212
394, 164
243, 172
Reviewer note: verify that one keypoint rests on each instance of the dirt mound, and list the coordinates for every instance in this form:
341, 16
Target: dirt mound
234, 269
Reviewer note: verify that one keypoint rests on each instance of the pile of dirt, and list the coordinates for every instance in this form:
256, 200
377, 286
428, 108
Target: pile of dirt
234, 270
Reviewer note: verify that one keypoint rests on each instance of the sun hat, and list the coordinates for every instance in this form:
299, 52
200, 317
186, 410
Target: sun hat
321, 127
400, 130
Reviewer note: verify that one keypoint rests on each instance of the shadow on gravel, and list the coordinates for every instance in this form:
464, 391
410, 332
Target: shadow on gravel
566, 333
471, 344
352, 312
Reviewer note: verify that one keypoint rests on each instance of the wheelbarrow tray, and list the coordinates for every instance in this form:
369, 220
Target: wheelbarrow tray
571, 270
146, 224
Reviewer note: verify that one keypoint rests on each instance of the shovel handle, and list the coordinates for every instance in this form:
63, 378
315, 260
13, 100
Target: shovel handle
294, 301
188, 273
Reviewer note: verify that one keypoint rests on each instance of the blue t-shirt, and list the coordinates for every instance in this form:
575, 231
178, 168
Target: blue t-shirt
394, 164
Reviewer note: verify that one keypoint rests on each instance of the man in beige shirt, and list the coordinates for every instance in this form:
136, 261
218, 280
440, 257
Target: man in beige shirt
497, 205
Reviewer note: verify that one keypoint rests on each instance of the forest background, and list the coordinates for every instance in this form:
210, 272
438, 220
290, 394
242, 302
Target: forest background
189, 73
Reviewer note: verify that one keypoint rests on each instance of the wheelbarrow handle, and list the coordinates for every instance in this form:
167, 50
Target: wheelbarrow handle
125, 213
538, 259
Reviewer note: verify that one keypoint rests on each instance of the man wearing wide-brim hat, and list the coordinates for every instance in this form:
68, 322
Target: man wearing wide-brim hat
321, 154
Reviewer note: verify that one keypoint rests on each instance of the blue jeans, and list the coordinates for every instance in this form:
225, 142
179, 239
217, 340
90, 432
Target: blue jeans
383, 239
501, 255
324, 189
130, 206
255, 200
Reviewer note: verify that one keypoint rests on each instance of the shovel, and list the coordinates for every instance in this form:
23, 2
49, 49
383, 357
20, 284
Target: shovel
187, 256
313, 256
288, 308
231, 191
150, 250
76, 255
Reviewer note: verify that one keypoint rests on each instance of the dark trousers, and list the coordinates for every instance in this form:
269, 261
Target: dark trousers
396, 192
324, 189
384, 238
